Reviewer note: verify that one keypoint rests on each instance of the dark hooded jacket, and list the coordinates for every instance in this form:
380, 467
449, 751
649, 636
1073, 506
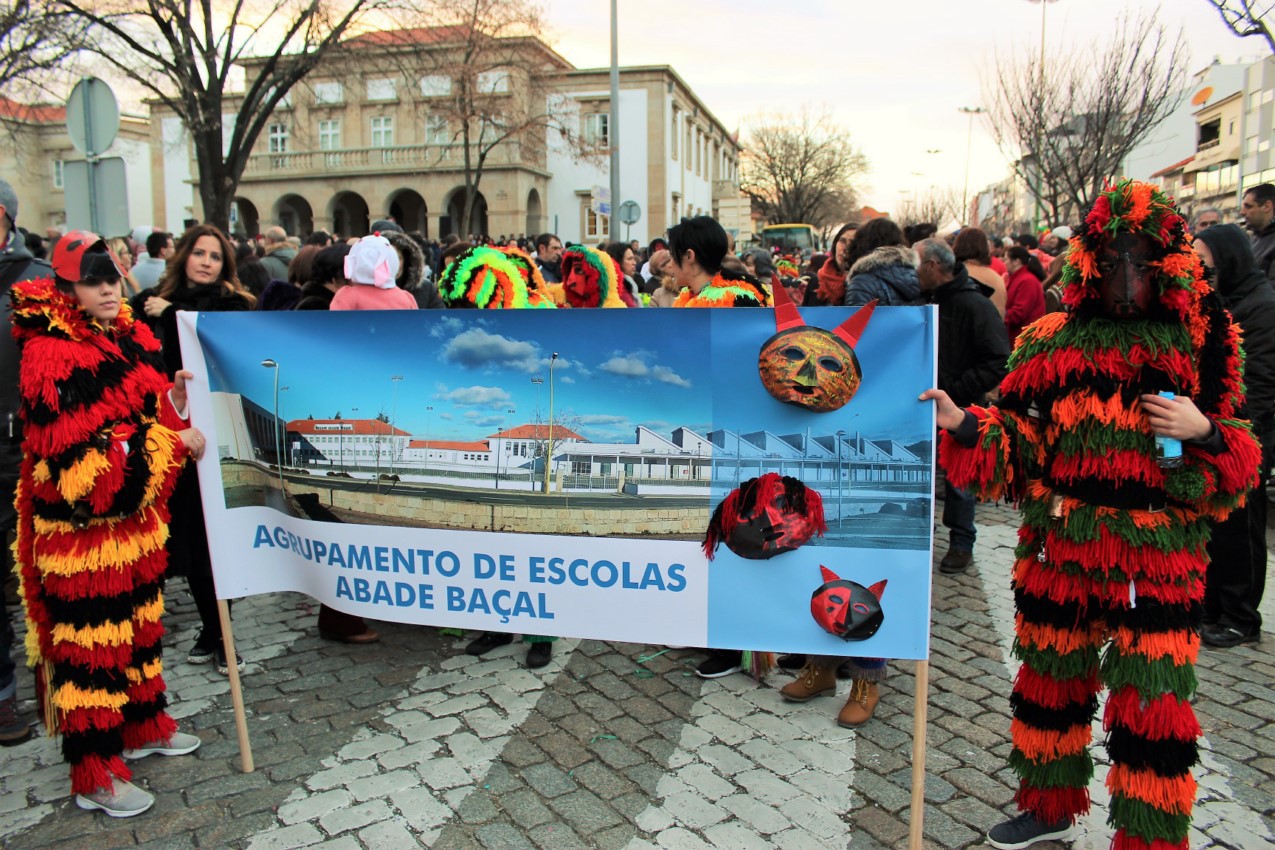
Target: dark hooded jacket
887, 274
973, 345
16, 264
412, 274
1264, 251
1247, 293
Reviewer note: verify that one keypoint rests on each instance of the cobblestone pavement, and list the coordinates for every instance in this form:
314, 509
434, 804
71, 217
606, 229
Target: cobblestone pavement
410, 743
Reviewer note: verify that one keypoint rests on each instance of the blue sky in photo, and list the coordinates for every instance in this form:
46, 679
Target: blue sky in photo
616, 369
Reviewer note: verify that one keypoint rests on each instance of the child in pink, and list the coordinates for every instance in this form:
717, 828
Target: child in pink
371, 267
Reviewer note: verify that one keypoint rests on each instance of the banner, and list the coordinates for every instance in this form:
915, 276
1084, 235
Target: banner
554, 472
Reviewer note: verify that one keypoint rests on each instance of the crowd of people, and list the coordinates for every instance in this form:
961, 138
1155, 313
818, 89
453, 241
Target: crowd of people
98, 437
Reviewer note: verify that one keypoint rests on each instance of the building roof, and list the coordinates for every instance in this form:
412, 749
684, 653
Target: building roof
454, 445
34, 113
1174, 167
361, 427
538, 432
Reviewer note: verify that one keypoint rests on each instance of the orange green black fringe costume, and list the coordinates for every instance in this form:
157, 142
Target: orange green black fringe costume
1109, 573
100, 456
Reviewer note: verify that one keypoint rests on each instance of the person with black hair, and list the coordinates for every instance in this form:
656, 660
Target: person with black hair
1258, 209
549, 256
697, 247
1236, 575
1024, 291
882, 267
150, 268
319, 237
327, 276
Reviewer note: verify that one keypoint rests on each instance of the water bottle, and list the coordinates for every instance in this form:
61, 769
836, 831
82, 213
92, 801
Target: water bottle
1168, 450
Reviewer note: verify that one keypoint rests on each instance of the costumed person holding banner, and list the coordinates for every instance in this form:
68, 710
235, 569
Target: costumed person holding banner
200, 277
103, 442
697, 247
1121, 430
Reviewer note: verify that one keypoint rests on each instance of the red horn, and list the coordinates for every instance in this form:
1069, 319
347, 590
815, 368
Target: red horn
786, 315
878, 589
828, 575
852, 328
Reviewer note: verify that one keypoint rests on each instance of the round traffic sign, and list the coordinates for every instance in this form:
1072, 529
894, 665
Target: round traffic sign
630, 212
92, 116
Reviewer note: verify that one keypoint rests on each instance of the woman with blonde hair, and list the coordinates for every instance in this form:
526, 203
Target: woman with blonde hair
124, 253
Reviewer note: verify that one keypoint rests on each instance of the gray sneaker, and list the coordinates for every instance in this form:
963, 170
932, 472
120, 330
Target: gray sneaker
1025, 830
122, 801
178, 745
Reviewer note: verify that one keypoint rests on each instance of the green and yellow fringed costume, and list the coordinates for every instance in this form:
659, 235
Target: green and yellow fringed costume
726, 289
100, 456
1109, 573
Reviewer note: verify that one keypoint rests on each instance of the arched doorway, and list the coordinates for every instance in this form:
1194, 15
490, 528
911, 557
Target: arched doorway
456, 209
349, 215
408, 208
534, 223
294, 215
244, 218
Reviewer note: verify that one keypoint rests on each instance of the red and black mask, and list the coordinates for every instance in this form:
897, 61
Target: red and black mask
765, 517
847, 609
81, 255
810, 367
1126, 280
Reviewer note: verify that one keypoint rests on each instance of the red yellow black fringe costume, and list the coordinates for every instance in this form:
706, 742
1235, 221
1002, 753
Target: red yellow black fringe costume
100, 456
726, 289
1111, 551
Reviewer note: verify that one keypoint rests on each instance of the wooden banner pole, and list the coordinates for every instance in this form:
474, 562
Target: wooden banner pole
921, 706
236, 690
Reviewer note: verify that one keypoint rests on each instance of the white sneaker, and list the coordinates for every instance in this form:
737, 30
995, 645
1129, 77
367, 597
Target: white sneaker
122, 801
178, 745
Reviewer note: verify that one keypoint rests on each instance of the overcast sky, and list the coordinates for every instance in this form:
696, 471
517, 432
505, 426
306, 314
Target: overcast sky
894, 74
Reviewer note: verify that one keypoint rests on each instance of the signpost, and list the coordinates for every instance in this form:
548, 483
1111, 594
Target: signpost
600, 200
630, 212
92, 122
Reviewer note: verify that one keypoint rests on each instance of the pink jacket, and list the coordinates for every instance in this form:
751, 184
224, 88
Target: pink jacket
358, 296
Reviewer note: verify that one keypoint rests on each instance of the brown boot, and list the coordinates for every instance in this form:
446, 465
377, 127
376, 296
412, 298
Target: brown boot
861, 705
812, 681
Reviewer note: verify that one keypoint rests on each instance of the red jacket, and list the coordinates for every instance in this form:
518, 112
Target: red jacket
1024, 302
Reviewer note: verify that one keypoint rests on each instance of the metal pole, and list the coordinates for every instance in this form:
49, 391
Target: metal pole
394, 379
613, 130
971, 111
549, 445
90, 157
429, 410
278, 442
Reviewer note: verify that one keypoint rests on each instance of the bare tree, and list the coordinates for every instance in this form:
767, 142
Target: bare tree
799, 169
1069, 123
35, 44
937, 207
184, 54
492, 78
1246, 18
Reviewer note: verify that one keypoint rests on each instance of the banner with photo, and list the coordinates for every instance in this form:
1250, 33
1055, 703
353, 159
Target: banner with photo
555, 472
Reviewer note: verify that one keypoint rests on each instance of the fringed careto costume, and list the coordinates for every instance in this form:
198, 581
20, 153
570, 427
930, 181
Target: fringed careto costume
1109, 570
726, 289
101, 453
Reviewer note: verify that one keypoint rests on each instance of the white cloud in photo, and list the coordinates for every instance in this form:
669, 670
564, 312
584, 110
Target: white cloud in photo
636, 366
478, 349
603, 419
493, 397
665, 375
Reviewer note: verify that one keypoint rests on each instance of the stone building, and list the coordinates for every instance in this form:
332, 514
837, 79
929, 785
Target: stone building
373, 132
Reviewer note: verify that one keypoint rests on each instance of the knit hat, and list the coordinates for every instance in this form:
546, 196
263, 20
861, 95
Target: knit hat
383, 225
489, 279
589, 278
372, 261
1063, 233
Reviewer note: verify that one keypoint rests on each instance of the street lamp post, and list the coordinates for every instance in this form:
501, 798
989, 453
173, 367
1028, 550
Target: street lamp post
283, 424
841, 435
269, 363
500, 445
1040, 81
395, 380
549, 445
971, 111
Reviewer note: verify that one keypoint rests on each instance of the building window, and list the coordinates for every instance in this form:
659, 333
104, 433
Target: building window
382, 89
58, 178
330, 135
436, 85
493, 82
580, 467
595, 226
597, 130
329, 92
382, 132
436, 130
277, 138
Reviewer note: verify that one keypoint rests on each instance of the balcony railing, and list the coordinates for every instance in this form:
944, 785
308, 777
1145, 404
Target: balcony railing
377, 159
1211, 143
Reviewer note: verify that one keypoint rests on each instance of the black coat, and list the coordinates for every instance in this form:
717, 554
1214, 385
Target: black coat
1264, 250
973, 345
1247, 293
199, 299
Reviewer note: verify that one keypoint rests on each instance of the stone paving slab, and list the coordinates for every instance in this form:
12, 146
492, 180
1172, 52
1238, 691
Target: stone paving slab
410, 743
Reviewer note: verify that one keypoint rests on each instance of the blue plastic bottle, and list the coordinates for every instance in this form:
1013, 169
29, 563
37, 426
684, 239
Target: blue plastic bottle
1168, 450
